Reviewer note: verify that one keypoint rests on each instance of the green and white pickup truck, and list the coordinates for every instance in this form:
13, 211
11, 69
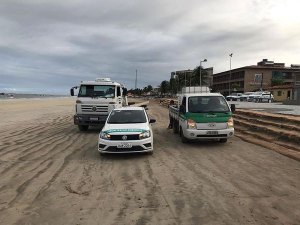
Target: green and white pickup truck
202, 116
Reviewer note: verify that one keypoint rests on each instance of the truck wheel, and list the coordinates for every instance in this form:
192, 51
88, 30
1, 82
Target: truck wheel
223, 140
183, 138
175, 127
83, 127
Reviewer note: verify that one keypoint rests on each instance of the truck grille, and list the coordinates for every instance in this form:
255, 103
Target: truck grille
94, 108
211, 126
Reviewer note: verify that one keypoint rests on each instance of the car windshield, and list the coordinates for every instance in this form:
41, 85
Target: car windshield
106, 91
127, 116
207, 104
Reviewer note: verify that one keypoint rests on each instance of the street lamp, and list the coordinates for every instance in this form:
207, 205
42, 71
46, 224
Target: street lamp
230, 55
200, 83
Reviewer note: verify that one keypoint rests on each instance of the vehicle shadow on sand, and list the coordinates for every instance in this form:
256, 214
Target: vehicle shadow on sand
124, 156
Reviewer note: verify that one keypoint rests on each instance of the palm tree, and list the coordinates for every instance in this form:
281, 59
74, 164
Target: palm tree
164, 87
196, 74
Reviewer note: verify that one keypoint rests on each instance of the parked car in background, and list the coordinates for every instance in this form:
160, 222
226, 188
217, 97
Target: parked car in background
261, 96
127, 130
245, 96
265, 97
252, 97
234, 97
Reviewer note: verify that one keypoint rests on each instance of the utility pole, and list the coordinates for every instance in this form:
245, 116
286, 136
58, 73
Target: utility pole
135, 79
200, 77
261, 81
230, 55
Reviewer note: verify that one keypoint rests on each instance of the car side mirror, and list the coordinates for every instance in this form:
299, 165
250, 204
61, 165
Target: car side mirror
72, 92
232, 106
152, 121
182, 109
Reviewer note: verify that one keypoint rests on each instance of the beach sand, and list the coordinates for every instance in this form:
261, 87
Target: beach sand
51, 173
22, 112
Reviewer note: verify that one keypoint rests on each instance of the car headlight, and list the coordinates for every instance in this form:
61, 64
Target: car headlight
191, 124
230, 123
104, 135
145, 134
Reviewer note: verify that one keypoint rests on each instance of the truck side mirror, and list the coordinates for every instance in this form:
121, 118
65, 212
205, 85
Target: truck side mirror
125, 91
232, 106
72, 92
182, 109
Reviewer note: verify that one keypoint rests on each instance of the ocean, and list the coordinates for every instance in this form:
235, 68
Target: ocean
7, 96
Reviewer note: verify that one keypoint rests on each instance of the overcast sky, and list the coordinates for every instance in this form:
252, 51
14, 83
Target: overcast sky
48, 46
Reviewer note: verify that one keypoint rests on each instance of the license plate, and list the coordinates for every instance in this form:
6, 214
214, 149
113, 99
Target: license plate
93, 118
212, 133
124, 146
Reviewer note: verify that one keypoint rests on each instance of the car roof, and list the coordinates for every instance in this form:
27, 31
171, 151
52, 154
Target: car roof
132, 108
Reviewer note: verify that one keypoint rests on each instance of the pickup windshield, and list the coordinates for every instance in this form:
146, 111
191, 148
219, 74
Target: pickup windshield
105, 91
127, 116
200, 104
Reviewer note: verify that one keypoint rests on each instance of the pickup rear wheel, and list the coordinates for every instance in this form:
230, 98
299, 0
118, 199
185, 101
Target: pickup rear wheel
83, 127
175, 126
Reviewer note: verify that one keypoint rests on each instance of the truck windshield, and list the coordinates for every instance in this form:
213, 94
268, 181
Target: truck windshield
106, 91
207, 104
127, 116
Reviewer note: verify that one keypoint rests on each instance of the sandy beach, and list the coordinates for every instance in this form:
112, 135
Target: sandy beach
52, 174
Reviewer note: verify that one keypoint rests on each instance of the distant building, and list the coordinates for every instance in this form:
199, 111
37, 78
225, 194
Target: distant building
188, 73
181, 73
156, 90
295, 97
281, 92
255, 77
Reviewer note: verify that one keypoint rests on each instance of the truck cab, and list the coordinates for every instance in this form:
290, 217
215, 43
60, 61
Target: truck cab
202, 116
95, 100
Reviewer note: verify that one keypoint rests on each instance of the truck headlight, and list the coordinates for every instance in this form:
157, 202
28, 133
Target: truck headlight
145, 134
104, 135
230, 123
191, 124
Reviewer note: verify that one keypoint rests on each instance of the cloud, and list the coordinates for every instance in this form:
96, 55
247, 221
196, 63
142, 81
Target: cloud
53, 45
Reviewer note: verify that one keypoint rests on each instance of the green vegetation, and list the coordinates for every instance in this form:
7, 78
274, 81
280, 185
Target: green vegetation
276, 81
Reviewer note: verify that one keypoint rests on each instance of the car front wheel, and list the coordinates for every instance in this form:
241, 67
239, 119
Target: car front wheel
223, 140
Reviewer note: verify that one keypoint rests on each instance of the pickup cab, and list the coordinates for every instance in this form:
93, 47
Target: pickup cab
202, 116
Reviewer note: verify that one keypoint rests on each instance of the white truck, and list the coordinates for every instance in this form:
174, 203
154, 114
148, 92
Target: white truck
95, 100
202, 116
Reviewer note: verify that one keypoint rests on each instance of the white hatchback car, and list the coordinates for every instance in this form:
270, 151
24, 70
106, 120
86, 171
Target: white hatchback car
127, 130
